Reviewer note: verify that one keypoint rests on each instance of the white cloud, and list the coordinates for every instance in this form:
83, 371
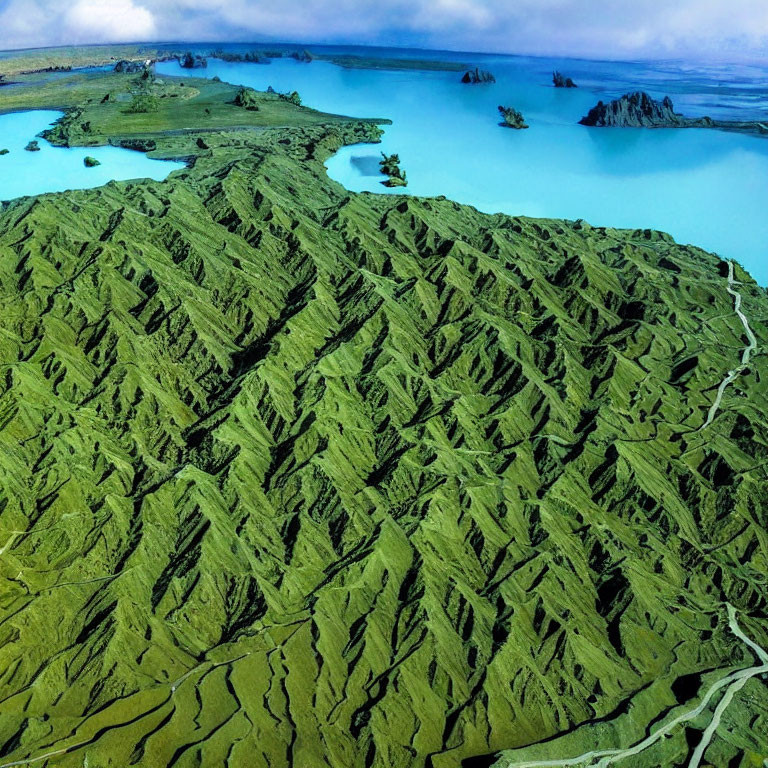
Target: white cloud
109, 21
592, 28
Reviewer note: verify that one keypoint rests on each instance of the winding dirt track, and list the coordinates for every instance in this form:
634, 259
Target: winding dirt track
745, 355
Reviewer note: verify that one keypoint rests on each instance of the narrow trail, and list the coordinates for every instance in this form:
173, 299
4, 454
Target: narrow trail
745, 355
734, 683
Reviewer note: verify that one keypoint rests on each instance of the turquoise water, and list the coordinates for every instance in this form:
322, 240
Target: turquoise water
705, 187
55, 169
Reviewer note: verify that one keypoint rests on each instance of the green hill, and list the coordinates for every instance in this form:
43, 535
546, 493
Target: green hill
298, 477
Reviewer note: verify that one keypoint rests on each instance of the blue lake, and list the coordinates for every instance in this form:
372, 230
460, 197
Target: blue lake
705, 187
56, 169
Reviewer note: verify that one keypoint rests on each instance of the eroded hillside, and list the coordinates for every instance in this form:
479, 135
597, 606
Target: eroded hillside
293, 477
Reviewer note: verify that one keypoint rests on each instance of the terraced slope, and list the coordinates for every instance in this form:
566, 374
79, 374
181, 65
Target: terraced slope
293, 477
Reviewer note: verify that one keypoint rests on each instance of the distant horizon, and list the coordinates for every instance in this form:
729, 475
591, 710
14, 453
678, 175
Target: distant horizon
754, 59
596, 30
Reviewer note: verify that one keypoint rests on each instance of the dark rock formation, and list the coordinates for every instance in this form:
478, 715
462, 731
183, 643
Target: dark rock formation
512, 118
193, 61
560, 81
129, 67
4, 151
251, 57
390, 166
304, 56
66, 68
477, 77
637, 110
140, 145
248, 99
33, 146
90, 162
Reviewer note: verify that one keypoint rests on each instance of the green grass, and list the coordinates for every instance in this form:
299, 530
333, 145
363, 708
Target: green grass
185, 104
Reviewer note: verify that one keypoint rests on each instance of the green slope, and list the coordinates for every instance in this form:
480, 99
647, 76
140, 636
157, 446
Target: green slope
296, 477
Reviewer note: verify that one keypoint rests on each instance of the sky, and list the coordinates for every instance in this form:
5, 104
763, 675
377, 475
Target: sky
587, 28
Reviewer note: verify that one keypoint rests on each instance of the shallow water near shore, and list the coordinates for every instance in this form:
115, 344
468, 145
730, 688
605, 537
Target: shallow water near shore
705, 187
56, 169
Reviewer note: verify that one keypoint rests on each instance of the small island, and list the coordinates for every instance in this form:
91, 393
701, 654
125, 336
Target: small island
390, 166
250, 57
477, 76
561, 81
4, 151
91, 162
640, 110
511, 118
193, 61
33, 146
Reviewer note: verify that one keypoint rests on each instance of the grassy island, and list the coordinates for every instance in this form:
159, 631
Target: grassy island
293, 476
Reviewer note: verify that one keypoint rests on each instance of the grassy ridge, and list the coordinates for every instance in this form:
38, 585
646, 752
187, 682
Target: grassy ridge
99, 107
293, 476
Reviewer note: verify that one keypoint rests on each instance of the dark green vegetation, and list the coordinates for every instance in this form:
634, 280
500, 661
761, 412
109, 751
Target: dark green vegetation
33, 146
511, 118
390, 167
247, 98
4, 151
298, 477
90, 162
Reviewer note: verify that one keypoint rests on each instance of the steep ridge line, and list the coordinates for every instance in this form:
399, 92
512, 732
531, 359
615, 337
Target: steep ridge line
735, 682
745, 355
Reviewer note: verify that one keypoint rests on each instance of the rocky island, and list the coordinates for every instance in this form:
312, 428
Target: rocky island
560, 81
250, 57
390, 167
640, 110
477, 76
193, 61
511, 118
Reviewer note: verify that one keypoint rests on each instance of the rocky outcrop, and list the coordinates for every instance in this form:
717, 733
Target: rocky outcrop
477, 76
639, 110
303, 56
561, 81
635, 110
130, 67
90, 162
512, 118
390, 166
139, 145
33, 146
250, 57
193, 61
